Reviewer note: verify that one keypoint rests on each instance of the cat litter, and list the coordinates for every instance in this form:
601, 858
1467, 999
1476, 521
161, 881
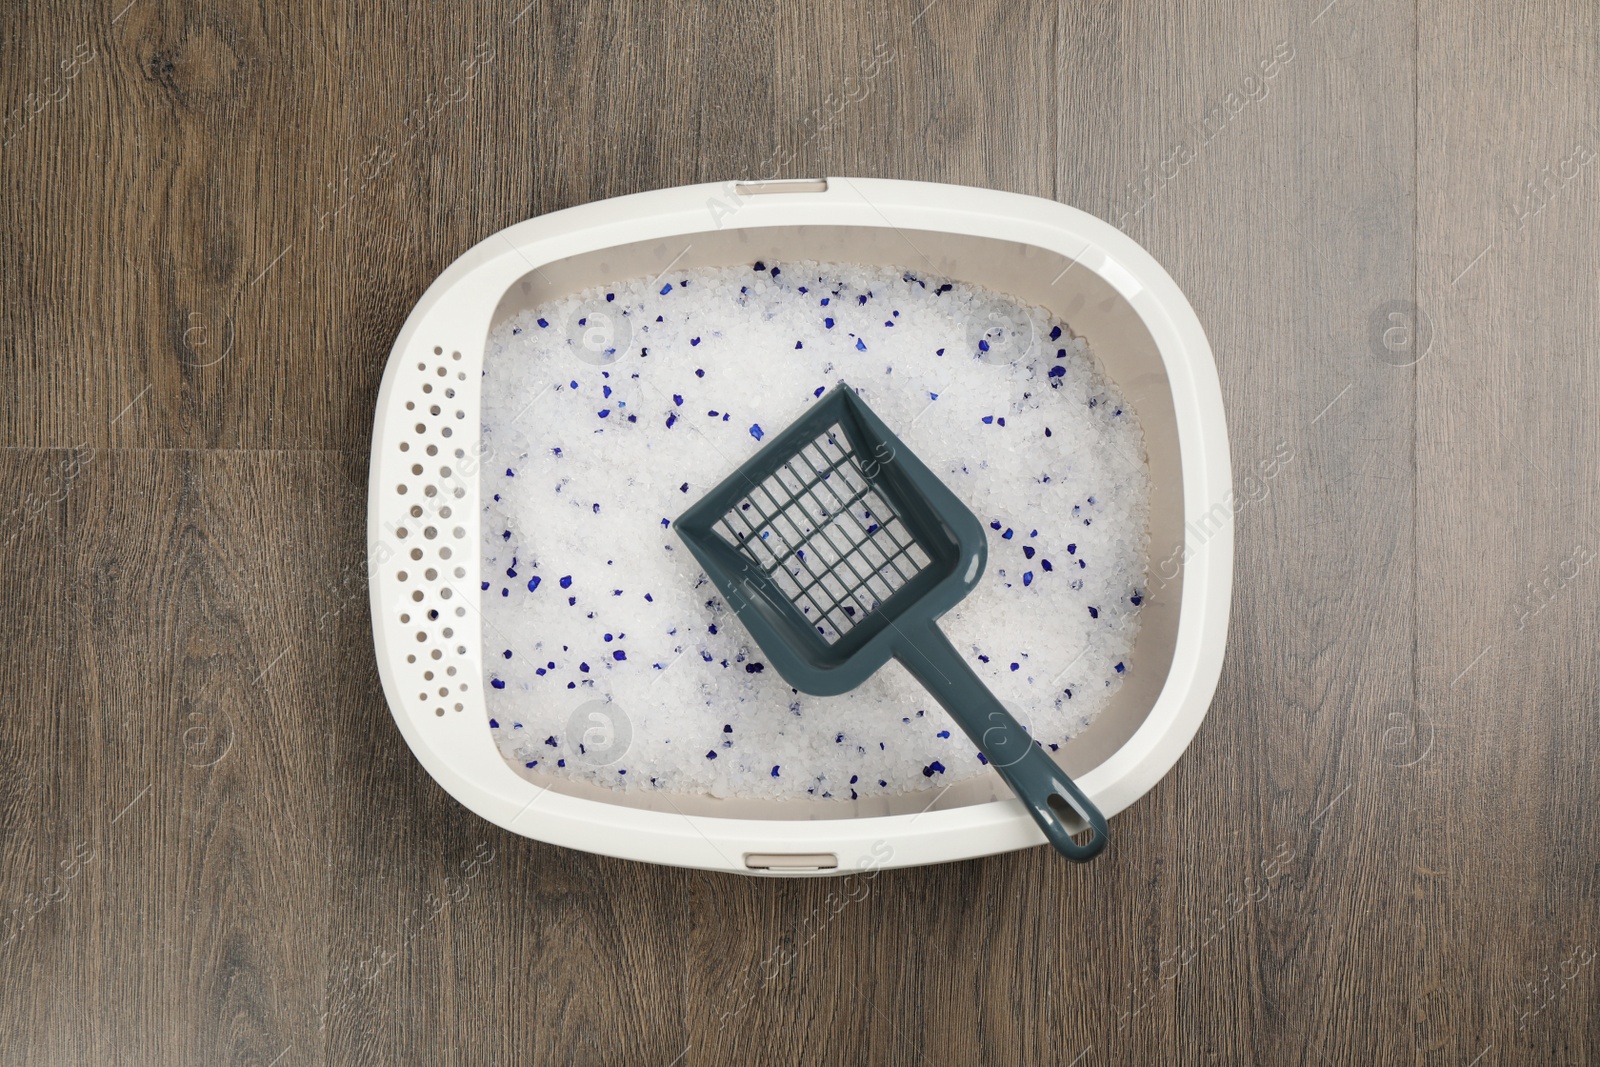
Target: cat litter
590, 601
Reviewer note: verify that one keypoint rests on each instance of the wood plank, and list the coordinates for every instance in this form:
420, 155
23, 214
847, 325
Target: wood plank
194, 573
1218, 137
189, 794
806, 972
1508, 532
48, 835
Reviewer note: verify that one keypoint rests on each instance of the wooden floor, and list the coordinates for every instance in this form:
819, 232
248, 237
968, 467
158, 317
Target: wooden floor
1383, 847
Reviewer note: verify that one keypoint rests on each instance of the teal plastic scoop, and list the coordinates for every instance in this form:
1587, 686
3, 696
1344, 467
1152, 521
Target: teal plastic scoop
839, 549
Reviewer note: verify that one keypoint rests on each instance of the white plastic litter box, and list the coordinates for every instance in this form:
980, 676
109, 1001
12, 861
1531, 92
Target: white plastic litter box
423, 506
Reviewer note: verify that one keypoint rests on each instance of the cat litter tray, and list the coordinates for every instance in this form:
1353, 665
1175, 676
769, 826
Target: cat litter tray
424, 507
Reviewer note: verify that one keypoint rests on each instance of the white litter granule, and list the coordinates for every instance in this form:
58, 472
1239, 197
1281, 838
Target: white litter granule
611, 658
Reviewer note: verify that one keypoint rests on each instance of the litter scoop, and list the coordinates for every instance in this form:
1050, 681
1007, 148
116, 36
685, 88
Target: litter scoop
839, 549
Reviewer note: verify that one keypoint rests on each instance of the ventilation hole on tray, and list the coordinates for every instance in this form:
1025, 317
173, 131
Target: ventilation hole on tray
426, 388
433, 450
400, 532
422, 635
429, 532
410, 406
430, 574
437, 711
416, 553
460, 612
401, 489
416, 594
442, 372
445, 593
422, 366
459, 531
404, 618
436, 654
445, 432
433, 409
451, 671
456, 356
422, 427
411, 659
444, 511
429, 490
437, 350
401, 576
405, 446
427, 676
460, 572
449, 632
444, 551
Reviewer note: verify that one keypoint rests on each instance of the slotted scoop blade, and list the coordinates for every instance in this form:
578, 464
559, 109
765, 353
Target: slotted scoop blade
839, 549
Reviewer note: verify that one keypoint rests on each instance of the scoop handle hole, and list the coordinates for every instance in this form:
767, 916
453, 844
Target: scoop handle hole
1091, 839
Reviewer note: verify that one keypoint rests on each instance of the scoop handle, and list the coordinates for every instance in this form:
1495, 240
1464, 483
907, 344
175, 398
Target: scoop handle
1044, 788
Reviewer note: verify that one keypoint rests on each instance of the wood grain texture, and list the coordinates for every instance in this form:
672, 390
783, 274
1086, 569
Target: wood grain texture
1381, 847
1508, 532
